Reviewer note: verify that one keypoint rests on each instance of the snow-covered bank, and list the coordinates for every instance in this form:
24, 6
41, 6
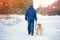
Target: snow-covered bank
16, 28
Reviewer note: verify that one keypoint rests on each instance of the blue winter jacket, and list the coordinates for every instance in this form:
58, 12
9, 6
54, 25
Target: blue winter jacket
30, 14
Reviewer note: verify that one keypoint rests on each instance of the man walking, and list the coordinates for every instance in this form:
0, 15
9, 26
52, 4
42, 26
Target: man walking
30, 16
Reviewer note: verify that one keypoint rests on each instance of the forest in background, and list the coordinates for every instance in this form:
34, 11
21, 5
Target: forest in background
14, 6
53, 9
20, 6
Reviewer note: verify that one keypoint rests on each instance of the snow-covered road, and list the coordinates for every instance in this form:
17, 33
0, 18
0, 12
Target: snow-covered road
16, 28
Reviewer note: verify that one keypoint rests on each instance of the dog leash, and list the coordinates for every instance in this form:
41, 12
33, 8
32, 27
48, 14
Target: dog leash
35, 25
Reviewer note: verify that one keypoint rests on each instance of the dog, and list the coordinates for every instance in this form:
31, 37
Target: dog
39, 30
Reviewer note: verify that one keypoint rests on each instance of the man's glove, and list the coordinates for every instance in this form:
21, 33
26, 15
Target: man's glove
26, 19
36, 19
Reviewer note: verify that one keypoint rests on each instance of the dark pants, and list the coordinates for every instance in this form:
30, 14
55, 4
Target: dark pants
30, 27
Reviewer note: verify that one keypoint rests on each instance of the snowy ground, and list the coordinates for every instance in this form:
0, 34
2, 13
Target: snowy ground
16, 28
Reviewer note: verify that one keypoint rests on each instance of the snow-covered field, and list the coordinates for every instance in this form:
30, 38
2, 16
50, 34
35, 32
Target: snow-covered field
16, 28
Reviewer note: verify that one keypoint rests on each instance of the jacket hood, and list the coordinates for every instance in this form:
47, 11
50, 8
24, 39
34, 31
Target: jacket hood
31, 7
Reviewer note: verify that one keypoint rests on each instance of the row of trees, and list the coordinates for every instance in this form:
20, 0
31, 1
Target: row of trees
14, 6
53, 9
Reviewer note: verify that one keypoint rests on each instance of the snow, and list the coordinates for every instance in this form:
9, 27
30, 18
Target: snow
16, 28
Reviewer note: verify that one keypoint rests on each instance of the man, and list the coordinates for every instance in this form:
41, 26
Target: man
30, 16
